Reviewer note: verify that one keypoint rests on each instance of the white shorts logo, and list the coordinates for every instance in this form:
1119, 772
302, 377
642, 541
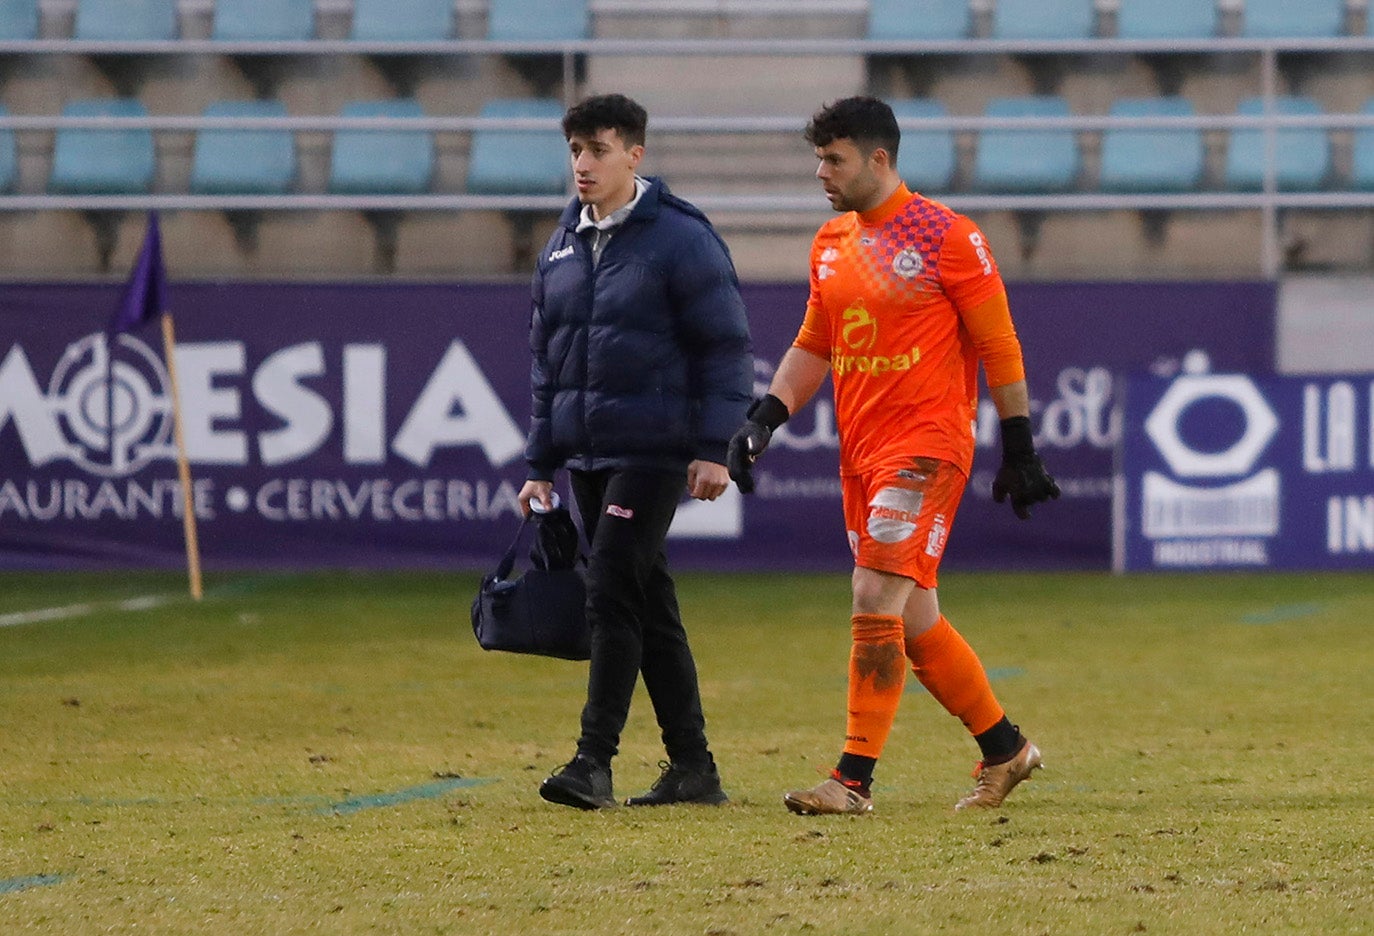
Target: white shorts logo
935, 539
893, 513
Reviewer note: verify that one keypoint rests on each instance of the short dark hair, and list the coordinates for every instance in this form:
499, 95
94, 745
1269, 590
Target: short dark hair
607, 112
867, 121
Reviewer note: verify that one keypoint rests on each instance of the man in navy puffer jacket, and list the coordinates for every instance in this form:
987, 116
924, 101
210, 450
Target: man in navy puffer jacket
642, 372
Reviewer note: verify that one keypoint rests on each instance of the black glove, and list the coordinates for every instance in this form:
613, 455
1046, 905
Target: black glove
1021, 476
752, 439
556, 540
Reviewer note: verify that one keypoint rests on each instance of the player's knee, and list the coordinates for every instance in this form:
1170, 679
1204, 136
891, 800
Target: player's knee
878, 592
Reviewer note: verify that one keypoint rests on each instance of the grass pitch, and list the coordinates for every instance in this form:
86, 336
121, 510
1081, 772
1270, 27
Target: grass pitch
335, 754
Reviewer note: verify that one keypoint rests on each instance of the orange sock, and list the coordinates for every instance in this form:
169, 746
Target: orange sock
949, 669
877, 675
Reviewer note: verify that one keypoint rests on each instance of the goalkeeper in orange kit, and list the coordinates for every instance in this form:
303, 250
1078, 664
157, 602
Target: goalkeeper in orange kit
905, 302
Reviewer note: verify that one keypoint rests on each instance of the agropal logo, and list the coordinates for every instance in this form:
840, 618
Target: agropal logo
860, 328
860, 334
111, 417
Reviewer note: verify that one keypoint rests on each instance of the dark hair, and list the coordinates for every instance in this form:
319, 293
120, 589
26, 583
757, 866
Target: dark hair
867, 121
607, 112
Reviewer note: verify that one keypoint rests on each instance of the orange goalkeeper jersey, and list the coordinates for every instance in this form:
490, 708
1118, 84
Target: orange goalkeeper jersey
905, 300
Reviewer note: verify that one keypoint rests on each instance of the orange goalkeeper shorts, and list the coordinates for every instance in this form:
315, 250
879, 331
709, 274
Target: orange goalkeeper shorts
898, 517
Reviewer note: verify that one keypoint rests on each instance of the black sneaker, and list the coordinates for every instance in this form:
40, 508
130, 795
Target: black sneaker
678, 784
581, 783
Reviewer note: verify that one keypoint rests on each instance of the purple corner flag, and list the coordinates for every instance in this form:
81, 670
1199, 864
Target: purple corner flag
145, 295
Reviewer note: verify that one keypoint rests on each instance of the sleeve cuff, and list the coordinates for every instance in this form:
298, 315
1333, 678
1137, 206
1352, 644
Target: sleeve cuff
712, 452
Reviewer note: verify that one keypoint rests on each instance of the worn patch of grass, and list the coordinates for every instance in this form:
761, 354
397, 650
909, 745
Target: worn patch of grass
333, 753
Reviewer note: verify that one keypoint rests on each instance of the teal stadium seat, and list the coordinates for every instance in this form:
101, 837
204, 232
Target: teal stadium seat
925, 158
1026, 161
538, 20
937, 19
1362, 165
253, 20
1145, 160
402, 20
243, 162
1285, 19
18, 19
1166, 19
519, 162
1043, 19
9, 166
103, 162
390, 162
125, 20
1302, 154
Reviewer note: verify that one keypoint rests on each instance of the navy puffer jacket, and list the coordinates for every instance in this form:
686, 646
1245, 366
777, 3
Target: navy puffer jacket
644, 361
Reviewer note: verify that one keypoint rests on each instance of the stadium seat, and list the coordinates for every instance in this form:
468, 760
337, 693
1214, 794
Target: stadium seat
122, 20
1166, 19
1043, 19
103, 162
402, 20
925, 158
394, 162
536, 20
9, 167
1302, 154
243, 162
1027, 161
938, 19
519, 162
1283, 19
18, 19
251, 20
1362, 165
1145, 160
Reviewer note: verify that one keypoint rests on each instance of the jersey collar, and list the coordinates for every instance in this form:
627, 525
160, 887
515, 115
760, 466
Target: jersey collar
888, 208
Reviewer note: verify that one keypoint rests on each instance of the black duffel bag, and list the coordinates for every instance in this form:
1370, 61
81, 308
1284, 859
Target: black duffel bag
542, 612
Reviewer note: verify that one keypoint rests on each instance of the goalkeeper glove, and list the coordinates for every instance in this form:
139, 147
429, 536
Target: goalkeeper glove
752, 439
1022, 477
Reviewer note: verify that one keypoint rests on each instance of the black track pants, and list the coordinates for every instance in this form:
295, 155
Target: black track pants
633, 612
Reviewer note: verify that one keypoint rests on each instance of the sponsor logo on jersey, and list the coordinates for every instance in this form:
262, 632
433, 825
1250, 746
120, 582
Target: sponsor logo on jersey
615, 510
560, 254
874, 365
980, 247
860, 329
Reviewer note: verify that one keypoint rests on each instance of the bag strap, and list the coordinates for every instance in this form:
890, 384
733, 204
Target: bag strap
507, 563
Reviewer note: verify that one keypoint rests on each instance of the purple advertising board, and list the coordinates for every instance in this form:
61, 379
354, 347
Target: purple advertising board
376, 425
1230, 471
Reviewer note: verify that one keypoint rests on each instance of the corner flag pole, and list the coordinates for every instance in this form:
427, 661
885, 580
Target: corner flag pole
145, 296
188, 500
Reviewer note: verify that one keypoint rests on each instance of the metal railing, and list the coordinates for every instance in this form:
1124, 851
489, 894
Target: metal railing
1269, 200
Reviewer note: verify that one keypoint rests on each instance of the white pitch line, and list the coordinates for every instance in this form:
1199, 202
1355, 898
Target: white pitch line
144, 603
37, 616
